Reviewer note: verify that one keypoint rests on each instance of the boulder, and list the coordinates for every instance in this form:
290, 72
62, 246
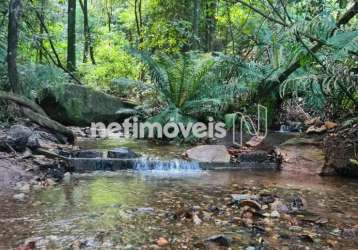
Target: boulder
313, 121
209, 153
18, 136
340, 153
121, 153
316, 130
79, 105
42, 139
255, 141
330, 125
124, 86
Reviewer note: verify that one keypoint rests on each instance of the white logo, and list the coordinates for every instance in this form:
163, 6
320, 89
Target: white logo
246, 123
132, 128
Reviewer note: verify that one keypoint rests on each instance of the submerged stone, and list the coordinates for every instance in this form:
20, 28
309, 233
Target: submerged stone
240, 197
221, 240
145, 210
19, 197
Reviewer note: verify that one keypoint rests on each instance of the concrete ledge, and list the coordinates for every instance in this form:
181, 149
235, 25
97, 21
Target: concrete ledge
83, 165
241, 166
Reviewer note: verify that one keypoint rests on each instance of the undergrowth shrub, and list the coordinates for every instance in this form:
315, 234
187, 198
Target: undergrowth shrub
112, 62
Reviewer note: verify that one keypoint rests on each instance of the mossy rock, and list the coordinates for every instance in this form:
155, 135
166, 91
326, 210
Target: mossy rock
78, 105
340, 154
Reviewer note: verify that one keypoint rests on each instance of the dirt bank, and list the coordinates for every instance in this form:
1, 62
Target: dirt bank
13, 171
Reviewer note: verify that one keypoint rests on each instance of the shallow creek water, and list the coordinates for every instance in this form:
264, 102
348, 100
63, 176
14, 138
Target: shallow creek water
131, 210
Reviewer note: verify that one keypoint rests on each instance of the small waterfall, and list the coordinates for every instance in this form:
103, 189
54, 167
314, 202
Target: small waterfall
284, 129
174, 165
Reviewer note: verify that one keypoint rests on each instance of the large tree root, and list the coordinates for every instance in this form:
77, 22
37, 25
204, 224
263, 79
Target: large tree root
22, 101
36, 114
52, 125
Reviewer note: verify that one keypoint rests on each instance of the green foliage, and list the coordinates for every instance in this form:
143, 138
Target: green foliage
2, 47
171, 36
193, 87
112, 62
229, 120
178, 81
35, 77
345, 43
252, 50
335, 86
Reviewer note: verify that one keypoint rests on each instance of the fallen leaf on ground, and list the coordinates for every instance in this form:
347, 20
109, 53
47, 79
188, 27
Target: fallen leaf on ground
162, 242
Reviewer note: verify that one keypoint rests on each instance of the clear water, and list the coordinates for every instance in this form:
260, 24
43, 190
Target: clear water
132, 209
116, 206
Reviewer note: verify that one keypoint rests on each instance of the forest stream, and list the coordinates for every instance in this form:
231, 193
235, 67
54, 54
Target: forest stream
179, 124
189, 209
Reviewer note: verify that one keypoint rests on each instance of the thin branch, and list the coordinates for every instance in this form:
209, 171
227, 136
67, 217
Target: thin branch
262, 13
309, 51
276, 11
286, 12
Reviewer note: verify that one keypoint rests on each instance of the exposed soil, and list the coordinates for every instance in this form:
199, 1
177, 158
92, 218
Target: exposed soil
13, 171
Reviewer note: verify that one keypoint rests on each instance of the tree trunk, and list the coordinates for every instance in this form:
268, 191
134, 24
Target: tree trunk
109, 14
138, 19
196, 23
56, 60
71, 36
210, 23
12, 41
89, 38
230, 29
88, 46
40, 51
42, 32
92, 51
85, 30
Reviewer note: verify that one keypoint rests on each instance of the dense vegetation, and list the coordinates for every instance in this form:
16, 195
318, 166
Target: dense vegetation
188, 59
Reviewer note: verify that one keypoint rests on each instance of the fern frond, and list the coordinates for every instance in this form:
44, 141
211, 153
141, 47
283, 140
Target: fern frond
319, 26
336, 78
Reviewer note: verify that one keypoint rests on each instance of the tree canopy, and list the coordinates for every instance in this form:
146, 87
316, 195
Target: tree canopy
244, 51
